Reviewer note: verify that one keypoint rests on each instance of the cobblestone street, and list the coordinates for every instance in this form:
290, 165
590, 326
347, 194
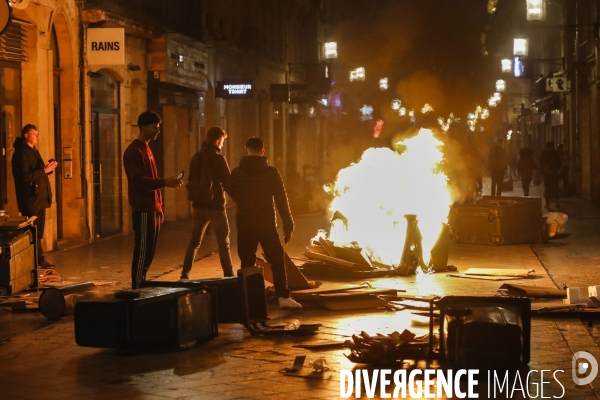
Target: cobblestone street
42, 361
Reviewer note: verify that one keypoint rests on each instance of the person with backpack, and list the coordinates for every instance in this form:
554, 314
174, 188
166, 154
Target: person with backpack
208, 180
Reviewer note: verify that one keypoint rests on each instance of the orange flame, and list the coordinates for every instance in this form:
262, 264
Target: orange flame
375, 193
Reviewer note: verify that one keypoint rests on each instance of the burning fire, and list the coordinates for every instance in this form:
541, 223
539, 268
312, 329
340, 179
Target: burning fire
374, 194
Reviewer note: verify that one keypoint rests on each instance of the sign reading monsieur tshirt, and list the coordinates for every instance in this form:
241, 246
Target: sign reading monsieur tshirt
235, 89
105, 46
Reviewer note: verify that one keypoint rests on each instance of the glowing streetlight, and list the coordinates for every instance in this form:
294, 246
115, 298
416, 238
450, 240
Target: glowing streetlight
536, 10
500, 85
330, 50
366, 112
357, 75
396, 104
383, 84
507, 65
520, 47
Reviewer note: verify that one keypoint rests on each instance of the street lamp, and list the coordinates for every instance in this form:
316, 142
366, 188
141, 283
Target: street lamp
383, 84
520, 47
506, 65
330, 50
500, 85
536, 10
357, 75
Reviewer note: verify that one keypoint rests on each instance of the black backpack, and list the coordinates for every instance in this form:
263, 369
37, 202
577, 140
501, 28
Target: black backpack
200, 183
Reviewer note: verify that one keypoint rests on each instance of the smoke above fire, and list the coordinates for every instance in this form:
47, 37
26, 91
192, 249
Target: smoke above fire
372, 196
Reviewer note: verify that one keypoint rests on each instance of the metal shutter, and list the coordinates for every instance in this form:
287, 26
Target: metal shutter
13, 42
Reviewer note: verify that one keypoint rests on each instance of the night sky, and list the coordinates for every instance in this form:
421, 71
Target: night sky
443, 52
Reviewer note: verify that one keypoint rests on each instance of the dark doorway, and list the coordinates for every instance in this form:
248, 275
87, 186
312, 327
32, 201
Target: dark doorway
106, 156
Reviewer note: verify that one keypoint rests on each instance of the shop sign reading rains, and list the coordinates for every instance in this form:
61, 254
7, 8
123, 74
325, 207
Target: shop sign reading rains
105, 46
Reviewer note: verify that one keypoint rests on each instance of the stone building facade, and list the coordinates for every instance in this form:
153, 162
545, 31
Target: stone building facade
176, 53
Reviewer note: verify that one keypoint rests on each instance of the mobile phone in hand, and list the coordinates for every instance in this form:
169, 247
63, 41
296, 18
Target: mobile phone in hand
50, 161
180, 176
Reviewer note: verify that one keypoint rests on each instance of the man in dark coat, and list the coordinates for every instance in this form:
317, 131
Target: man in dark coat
550, 164
32, 185
497, 163
208, 179
525, 166
257, 188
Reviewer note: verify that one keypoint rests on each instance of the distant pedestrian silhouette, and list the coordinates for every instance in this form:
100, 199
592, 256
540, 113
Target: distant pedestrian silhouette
497, 163
549, 167
525, 166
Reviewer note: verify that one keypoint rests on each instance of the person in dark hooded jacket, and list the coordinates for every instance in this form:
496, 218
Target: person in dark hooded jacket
208, 179
497, 163
258, 189
550, 164
32, 185
525, 166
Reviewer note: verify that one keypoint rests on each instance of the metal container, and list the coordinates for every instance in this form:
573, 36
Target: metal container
56, 302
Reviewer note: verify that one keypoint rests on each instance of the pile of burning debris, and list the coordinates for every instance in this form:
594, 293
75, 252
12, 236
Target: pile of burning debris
324, 255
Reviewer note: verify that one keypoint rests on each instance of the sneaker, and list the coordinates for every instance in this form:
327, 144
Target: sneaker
183, 279
288, 302
46, 265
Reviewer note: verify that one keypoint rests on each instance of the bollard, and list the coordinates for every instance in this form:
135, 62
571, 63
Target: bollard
56, 302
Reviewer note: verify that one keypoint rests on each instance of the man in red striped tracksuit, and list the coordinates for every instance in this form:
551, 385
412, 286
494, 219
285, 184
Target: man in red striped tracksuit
145, 196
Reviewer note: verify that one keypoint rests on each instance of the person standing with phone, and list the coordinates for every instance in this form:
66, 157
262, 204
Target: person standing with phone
209, 179
145, 196
32, 185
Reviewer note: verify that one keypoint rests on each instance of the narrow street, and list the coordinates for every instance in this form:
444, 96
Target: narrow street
42, 360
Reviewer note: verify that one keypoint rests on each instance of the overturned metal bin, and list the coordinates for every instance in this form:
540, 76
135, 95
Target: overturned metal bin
485, 332
58, 301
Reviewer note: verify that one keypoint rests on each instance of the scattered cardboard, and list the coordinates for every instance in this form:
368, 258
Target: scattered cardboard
327, 246
296, 279
295, 276
317, 249
484, 277
355, 302
496, 274
337, 261
333, 271
357, 256
322, 346
298, 370
515, 272
533, 291
341, 294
